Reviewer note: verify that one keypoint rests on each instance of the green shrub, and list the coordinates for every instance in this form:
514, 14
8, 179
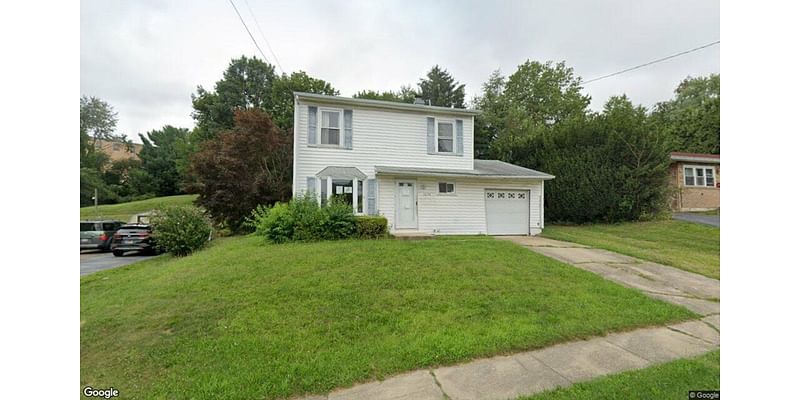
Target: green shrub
180, 230
370, 227
338, 221
302, 219
279, 223
308, 218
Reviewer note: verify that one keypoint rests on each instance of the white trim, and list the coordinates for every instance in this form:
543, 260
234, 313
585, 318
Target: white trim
452, 123
340, 111
705, 168
393, 105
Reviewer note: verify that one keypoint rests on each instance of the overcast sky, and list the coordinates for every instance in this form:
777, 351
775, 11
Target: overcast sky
146, 57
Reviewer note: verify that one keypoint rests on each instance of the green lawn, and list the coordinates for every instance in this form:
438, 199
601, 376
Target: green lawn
123, 211
672, 380
245, 319
684, 245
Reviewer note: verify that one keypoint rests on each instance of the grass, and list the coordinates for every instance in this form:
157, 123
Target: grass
672, 380
124, 211
685, 245
245, 319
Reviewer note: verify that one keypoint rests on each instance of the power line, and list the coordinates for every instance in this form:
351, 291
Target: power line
247, 3
248, 30
651, 62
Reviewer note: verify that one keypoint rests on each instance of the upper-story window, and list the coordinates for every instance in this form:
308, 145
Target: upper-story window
331, 127
444, 136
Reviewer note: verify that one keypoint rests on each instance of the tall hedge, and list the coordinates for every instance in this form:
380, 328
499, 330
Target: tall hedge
609, 167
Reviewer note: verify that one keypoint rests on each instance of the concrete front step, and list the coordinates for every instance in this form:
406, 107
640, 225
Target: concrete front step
412, 235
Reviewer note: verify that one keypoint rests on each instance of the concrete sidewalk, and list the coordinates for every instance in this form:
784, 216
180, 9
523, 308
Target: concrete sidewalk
561, 365
508, 377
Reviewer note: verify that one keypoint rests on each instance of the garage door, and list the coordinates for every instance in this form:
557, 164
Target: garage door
507, 212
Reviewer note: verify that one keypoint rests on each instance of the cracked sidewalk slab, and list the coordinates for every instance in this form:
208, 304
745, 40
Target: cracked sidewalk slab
698, 329
581, 361
699, 306
660, 344
498, 378
417, 385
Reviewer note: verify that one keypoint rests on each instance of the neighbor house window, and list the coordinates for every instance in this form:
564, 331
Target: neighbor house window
447, 187
444, 136
699, 176
331, 127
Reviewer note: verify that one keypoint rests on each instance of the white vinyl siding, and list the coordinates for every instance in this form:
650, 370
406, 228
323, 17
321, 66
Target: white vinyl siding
380, 137
462, 212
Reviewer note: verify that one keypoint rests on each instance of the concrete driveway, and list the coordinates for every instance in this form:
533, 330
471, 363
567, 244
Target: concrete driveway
698, 218
93, 261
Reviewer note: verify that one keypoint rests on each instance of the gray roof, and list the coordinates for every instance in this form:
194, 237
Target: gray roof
481, 169
341, 172
383, 104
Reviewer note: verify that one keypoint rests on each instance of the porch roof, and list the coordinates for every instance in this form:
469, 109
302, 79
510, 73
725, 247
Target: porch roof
481, 169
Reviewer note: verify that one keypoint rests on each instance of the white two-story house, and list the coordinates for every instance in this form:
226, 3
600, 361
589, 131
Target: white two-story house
413, 164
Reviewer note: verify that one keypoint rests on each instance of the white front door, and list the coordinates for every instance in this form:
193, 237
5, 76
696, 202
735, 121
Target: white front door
406, 205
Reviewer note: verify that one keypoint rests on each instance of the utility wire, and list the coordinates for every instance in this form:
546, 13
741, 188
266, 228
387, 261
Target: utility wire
248, 31
651, 62
247, 3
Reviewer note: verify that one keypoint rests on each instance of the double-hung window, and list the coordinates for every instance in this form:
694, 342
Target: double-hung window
331, 127
444, 137
698, 176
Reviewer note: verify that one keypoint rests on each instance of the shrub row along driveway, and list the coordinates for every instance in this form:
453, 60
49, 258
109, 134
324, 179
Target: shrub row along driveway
244, 319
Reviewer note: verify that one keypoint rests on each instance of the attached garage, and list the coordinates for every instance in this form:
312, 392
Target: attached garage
494, 198
507, 212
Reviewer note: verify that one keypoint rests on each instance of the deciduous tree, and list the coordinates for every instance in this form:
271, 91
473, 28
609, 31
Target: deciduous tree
243, 167
690, 121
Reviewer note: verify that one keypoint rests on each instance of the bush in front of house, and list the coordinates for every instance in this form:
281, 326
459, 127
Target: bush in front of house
338, 221
371, 227
302, 219
180, 230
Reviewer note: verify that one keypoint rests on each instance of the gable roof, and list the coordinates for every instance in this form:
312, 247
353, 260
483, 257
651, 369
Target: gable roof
481, 169
694, 157
391, 105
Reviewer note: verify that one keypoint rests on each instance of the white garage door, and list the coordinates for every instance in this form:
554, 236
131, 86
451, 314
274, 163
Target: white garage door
507, 212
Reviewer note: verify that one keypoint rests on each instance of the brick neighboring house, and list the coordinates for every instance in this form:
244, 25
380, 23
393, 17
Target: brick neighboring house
118, 151
695, 178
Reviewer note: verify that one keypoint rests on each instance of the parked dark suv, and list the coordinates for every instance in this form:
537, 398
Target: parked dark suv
133, 237
97, 235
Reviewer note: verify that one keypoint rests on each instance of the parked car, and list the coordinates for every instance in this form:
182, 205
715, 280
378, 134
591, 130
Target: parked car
97, 235
133, 237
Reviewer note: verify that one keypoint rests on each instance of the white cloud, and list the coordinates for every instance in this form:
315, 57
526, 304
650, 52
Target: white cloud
147, 57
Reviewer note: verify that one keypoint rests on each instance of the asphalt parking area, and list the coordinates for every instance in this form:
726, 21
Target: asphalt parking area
93, 261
